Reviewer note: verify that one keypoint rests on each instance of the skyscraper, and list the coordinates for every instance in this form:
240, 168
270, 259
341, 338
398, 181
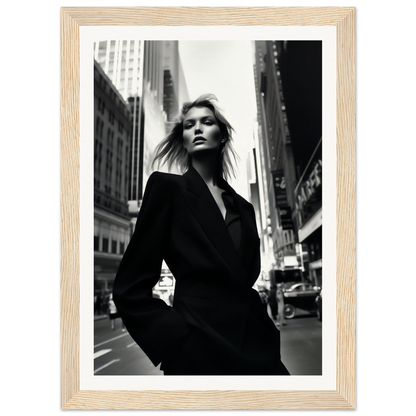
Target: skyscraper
149, 77
112, 135
275, 155
122, 62
288, 79
137, 83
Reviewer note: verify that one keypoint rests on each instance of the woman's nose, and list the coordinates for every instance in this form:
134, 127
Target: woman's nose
198, 129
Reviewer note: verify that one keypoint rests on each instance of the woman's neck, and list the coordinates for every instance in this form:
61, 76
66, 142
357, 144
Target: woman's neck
207, 169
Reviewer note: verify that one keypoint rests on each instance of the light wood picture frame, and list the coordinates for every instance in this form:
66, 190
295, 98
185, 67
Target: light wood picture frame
344, 396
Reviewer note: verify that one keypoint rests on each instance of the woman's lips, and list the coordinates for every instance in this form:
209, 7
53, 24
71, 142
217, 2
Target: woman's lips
198, 139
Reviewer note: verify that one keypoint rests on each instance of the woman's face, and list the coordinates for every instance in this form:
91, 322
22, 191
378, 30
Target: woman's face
201, 131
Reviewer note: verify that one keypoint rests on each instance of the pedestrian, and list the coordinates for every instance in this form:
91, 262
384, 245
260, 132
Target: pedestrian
263, 297
280, 306
272, 301
97, 304
207, 235
113, 313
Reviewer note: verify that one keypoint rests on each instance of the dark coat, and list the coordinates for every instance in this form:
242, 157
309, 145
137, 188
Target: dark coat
217, 325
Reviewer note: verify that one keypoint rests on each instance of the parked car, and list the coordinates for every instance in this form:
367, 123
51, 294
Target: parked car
300, 295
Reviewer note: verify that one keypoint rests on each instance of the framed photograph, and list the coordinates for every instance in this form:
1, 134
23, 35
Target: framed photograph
284, 79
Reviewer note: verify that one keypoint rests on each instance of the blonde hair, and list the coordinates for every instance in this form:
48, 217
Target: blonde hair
170, 150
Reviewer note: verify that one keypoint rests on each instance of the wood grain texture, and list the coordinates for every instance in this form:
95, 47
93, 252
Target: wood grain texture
208, 16
70, 188
210, 400
346, 208
71, 395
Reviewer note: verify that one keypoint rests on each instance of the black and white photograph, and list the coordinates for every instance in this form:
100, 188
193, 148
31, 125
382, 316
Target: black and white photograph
208, 178
203, 246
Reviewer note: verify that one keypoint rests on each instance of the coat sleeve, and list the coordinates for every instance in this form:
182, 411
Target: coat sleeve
255, 263
156, 327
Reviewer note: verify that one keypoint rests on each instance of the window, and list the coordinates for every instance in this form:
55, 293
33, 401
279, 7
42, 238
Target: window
100, 105
96, 235
111, 117
95, 151
97, 126
114, 246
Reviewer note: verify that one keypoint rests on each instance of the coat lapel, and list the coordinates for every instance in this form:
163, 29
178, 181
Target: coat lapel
206, 211
249, 234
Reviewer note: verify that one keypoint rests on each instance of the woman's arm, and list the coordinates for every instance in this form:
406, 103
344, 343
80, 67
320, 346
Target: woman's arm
154, 325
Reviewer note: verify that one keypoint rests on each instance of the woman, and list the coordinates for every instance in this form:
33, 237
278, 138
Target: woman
113, 313
207, 235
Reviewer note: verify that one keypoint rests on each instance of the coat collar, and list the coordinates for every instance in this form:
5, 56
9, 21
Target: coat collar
197, 185
205, 209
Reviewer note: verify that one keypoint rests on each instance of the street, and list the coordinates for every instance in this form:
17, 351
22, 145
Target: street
115, 352
301, 345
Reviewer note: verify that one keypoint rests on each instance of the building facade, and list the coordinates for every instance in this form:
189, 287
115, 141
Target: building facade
112, 134
149, 76
137, 87
175, 91
300, 65
122, 62
288, 81
276, 160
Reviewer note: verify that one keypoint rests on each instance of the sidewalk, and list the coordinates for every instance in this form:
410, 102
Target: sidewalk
100, 317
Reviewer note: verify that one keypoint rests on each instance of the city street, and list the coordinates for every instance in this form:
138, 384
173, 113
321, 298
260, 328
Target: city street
301, 345
115, 352
279, 173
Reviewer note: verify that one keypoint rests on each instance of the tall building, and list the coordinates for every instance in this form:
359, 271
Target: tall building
300, 65
175, 90
275, 159
149, 76
288, 80
137, 84
112, 135
122, 62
